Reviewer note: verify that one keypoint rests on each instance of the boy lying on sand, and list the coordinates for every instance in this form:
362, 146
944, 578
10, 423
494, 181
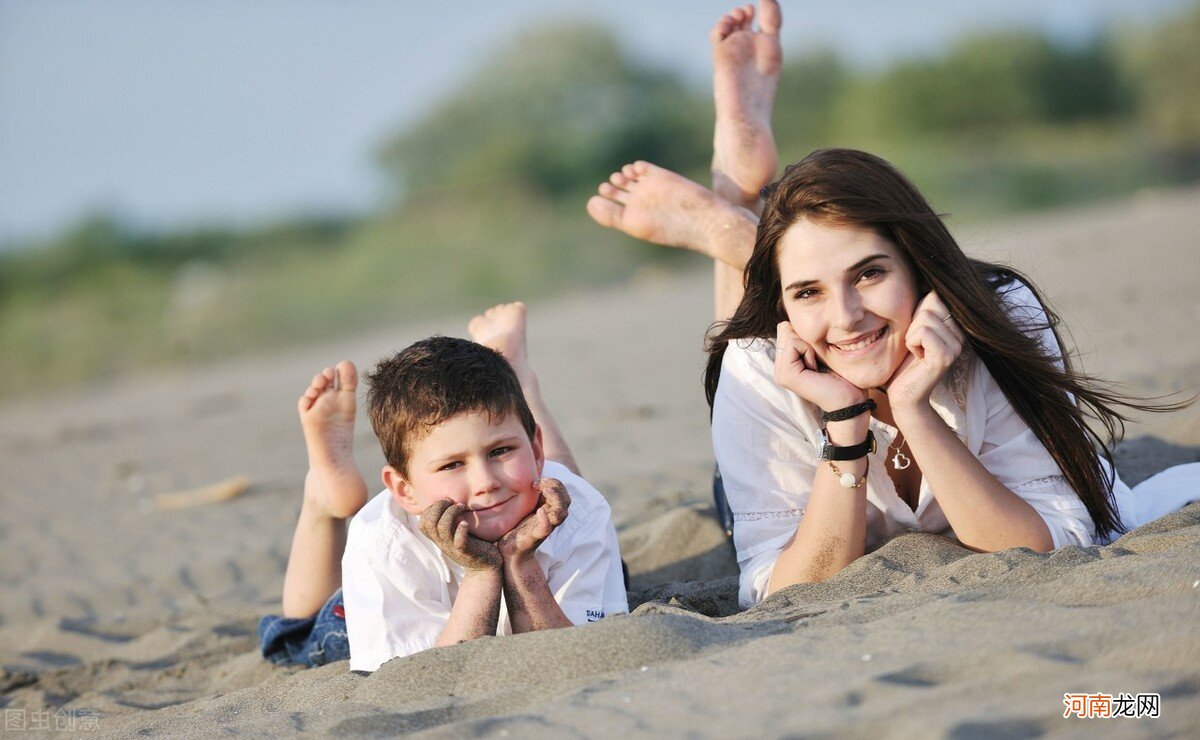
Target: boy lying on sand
477, 533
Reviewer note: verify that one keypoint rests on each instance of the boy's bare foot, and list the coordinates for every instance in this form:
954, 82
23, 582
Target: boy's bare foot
746, 67
327, 411
502, 328
656, 205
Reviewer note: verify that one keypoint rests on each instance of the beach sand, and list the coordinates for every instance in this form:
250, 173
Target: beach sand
121, 614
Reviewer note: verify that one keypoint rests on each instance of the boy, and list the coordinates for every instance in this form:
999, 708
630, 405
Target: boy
477, 532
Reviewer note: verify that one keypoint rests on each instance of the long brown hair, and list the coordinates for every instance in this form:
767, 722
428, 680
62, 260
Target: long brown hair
847, 186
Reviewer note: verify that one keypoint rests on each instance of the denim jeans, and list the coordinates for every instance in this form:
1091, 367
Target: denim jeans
311, 642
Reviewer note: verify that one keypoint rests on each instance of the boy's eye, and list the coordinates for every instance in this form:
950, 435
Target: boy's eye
451, 465
500, 451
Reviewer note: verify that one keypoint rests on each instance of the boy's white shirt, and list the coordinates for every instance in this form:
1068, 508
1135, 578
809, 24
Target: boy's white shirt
399, 587
765, 440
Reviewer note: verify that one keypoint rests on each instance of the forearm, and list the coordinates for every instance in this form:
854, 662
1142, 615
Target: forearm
984, 514
476, 609
531, 604
833, 531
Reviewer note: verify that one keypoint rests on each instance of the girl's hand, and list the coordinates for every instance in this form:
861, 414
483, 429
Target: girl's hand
934, 342
796, 369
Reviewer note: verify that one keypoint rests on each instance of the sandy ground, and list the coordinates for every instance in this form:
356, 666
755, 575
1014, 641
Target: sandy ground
112, 605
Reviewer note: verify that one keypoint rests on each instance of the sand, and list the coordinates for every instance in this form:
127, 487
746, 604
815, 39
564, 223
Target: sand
121, 616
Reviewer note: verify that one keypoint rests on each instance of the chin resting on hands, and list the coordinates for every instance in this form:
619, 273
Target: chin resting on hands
439, 522
531, 531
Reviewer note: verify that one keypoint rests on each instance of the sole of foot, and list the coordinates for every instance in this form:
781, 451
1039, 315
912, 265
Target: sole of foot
746, 65
657, 205
502, 327
327, 411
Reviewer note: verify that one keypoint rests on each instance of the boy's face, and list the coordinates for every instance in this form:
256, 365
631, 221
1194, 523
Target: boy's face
487, 464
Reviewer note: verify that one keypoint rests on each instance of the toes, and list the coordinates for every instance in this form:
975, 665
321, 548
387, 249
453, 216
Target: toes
641, 168
629, 172
613, 193
605, 212
720, 30
347, 376
619, 179
320, 380
770, 17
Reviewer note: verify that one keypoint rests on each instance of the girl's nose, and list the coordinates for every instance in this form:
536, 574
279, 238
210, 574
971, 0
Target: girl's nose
847, 310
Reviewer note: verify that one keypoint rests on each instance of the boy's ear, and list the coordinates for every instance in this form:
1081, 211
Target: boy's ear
539, 453
401, 490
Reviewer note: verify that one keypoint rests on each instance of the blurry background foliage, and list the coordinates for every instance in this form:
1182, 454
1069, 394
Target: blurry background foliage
490, 187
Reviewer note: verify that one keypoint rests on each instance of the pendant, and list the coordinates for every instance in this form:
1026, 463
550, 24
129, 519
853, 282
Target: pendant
900, 461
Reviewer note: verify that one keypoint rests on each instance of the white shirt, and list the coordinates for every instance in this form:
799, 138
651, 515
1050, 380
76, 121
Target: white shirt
398, 586
765, 439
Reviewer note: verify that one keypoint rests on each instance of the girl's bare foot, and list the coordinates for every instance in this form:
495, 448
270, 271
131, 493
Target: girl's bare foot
656, 205
746, 67
334, 485
502, 328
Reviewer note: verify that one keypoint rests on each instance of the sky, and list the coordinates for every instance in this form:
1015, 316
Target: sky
172, 113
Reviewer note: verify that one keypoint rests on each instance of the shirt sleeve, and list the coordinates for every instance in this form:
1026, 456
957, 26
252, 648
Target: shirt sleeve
583, 563
392, 608
1012, 452
767, 463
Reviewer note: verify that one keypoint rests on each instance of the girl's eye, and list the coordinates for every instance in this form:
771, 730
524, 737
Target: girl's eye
804, 295
871, 273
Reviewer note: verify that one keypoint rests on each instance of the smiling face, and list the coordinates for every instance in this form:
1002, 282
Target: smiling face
850, 294
487, 464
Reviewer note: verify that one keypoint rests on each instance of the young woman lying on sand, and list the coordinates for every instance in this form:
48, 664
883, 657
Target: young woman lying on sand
872, 378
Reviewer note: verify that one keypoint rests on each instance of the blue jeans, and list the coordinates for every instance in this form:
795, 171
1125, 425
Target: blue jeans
721, 503
311, 642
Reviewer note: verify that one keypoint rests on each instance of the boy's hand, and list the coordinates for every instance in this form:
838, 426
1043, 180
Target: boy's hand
439, 522
525, 538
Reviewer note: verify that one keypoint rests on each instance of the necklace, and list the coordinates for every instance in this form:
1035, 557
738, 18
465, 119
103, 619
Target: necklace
900, 461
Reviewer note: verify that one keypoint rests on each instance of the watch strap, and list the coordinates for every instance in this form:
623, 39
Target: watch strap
830, 451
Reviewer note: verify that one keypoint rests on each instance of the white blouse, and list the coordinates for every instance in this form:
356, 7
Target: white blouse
765, 440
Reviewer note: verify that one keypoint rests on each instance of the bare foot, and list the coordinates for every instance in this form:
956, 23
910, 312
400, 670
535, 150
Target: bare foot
656, 205
502, 328
327, 411
746, 67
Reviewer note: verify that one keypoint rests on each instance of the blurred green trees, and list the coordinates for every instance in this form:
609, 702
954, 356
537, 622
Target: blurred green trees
491, 184
557, 109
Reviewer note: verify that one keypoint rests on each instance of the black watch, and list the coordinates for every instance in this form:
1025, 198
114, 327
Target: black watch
830, 451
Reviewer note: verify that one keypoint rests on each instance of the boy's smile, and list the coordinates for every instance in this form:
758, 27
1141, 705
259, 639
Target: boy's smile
487, 464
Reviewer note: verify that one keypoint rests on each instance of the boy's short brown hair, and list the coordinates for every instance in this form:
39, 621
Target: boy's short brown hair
436, 379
